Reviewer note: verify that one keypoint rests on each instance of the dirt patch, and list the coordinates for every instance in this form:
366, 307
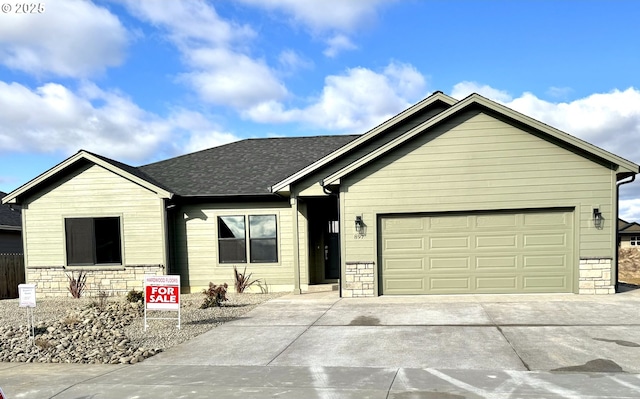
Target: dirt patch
629, 265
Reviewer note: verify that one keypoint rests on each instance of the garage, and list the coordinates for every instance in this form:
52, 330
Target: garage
528, 251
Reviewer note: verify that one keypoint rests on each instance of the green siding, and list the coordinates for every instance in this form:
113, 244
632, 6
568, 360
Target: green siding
94, 191
196, 245
477, 162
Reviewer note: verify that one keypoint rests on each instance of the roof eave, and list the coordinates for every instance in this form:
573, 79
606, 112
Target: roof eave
624, 167
13, 196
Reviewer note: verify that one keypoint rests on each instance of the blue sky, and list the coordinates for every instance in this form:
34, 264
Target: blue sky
141, 81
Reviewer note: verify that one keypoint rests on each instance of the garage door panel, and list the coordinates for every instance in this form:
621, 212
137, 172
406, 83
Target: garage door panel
404, 286
501, 252
449, 223
408, 264
458, 263
545, 261
449, 284
493, 242
404, 224
487, 221
403, 244
546, 284
545, 240
545, 219
496, 262
448, 242
496, 283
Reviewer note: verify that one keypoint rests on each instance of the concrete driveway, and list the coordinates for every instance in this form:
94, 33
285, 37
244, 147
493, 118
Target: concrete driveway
507, 332
321, 346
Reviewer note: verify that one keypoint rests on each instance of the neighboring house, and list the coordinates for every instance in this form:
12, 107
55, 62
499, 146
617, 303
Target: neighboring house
10, 228
446, 197
628, 234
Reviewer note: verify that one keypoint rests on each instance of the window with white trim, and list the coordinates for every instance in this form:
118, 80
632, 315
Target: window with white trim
635, 241
232, 239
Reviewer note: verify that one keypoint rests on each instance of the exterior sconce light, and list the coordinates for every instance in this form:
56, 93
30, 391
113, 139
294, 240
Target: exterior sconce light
359, 224
597, 218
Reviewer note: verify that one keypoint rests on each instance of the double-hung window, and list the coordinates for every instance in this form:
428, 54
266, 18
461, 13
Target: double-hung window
232, 239
93, 241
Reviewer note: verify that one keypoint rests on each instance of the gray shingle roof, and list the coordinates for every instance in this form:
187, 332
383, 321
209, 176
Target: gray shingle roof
247, 167
9, 217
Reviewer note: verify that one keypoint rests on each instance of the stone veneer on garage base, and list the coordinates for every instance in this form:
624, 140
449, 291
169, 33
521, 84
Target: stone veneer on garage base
359, 280
595, 276
53, 281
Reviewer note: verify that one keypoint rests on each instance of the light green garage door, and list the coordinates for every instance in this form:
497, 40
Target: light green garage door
477, 253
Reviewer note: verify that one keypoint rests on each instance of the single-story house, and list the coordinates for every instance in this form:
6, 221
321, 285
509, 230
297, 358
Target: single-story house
10, 228
447, 197
628, 234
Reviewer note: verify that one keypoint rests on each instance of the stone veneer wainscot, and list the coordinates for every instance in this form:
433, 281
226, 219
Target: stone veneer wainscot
359, 280
595, 276
53, 281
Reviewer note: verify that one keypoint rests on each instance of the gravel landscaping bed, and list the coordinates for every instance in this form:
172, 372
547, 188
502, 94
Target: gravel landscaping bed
88, 330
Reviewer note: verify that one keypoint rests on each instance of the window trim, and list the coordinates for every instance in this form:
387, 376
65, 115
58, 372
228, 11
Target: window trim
220, 239
246, 215
112, 265
274, 238
634, 241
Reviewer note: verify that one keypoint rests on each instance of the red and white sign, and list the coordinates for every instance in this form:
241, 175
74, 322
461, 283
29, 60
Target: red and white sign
162, 292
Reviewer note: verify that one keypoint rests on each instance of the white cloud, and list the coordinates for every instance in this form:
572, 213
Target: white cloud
337, 44
463, 89
354, 101
222, 70
322, 15
630, 208
53, 118
291, 61
73, 38
333, 19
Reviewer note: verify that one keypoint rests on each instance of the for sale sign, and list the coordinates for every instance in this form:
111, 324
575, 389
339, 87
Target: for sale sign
27, 295
162, 292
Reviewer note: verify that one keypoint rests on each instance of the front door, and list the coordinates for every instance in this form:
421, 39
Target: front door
332, 251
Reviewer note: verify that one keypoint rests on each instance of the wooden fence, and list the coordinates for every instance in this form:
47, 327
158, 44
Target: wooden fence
11, 274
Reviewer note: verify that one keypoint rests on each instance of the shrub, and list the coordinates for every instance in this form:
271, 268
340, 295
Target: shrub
102, 300
135, 296
214, 295
77, 284
243, 281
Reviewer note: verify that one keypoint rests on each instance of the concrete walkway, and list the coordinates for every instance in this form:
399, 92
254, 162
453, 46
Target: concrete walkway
318, 345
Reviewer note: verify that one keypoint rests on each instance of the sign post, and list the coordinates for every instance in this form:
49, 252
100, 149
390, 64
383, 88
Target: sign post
27, 299
161, 293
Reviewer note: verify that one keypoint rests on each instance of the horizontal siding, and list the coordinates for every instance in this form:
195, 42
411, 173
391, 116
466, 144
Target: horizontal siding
93, 192
477, 162
196, 244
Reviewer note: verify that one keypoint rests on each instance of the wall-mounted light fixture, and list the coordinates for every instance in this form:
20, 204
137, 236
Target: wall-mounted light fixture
359, 224
597, 218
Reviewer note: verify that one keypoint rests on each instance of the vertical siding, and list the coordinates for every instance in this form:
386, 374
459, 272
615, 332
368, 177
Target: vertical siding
478, 162
197, 245
94, 192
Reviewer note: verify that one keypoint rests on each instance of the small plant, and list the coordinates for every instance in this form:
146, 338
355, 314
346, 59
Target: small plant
77, 284
243, 281
71, 320
214, 295
264, 288
102, 300
135, 296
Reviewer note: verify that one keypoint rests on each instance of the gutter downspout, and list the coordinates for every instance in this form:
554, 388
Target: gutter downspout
618, 184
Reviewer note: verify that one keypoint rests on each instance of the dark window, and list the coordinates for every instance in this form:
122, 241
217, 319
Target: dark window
263, 239
635, 241
93, 241
232, 239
